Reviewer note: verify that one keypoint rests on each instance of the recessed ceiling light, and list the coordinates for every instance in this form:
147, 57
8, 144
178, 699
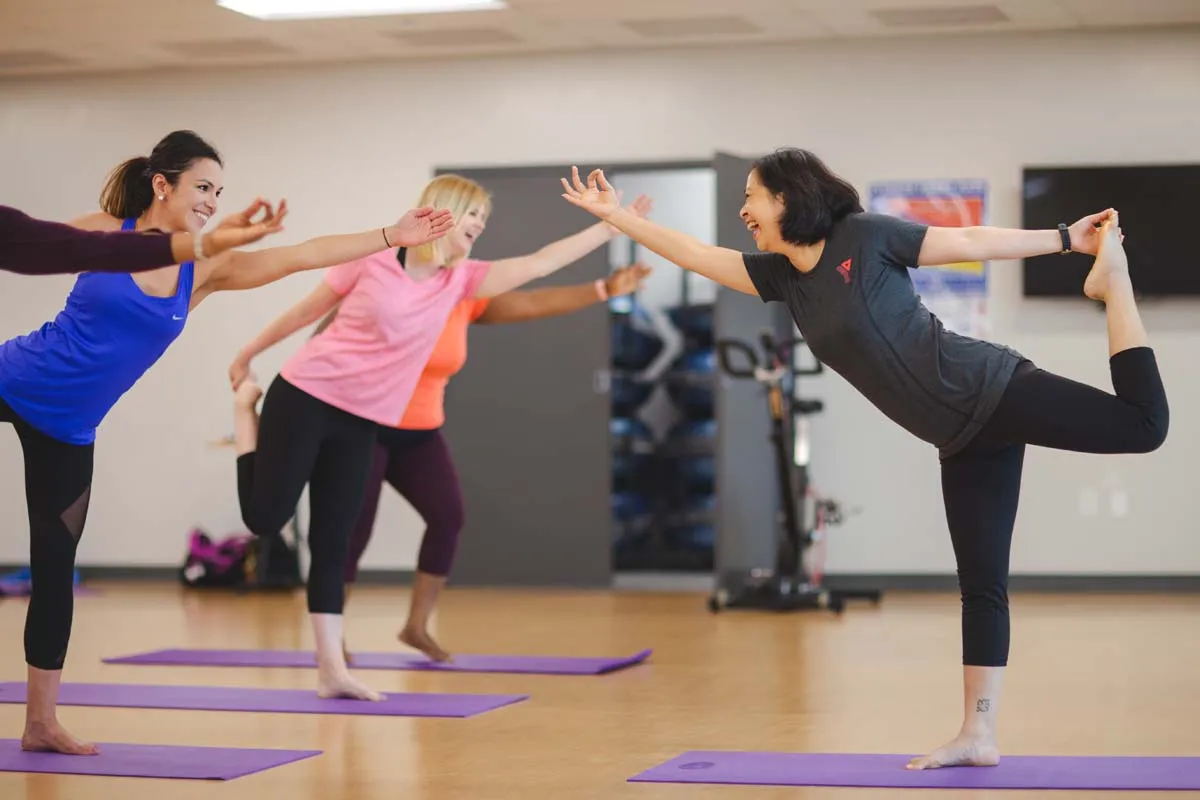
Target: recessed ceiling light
325, 9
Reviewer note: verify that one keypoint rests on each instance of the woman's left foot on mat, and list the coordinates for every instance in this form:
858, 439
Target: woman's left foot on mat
52, 737
419, 639
344, 685
966, 750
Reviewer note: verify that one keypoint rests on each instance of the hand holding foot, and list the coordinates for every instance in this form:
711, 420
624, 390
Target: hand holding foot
419, 639
247, 394
51, 737
1111, 266
245, 416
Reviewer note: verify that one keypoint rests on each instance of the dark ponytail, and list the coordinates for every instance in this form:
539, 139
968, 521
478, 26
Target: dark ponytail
129, 190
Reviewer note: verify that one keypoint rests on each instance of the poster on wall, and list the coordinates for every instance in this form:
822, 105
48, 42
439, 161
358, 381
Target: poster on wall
956, 293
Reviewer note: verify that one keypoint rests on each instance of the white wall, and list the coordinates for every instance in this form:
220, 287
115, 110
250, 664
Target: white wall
350, 147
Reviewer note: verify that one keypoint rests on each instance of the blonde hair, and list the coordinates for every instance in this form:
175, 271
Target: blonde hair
458, 195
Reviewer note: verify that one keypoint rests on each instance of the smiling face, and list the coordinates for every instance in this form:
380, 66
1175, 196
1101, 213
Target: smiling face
469, 204
192, 201
761, 212
468, 230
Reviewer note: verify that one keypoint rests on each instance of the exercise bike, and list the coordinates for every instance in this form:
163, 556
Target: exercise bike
789, 586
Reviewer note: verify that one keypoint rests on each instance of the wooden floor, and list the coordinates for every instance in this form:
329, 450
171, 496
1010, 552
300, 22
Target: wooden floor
1110, 675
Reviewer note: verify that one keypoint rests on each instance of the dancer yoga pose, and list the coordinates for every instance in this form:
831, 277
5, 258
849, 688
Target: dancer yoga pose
413, 456
58, 382
39, 247
321, 413
843, 275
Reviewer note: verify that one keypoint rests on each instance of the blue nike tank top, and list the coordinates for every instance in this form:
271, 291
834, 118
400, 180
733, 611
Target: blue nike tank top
64, 377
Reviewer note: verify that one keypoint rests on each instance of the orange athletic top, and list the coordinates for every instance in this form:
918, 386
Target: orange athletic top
426, 410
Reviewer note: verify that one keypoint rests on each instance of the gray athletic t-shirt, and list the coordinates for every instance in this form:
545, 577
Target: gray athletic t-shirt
860, 315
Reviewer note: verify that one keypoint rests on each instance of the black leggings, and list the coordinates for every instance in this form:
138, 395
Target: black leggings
303, 440
981, 485
58, 486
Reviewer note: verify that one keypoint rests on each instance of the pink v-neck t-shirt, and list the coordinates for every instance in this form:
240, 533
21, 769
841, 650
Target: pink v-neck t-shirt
369, 360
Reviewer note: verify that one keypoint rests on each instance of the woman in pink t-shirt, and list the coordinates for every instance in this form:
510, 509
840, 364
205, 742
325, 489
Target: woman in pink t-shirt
321, 415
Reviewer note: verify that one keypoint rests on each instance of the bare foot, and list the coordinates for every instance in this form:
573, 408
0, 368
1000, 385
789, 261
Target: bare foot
420, 639
344, 685
53, 738
247, 394
1111, 264
245, 417
964, 751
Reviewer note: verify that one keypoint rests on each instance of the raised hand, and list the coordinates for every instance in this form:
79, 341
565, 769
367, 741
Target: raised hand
642, 206
245, 227
419, 226
626, 280
596, 197
1086, 233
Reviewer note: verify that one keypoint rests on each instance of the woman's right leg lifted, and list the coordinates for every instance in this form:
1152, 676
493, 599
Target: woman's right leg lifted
275, 454
1047, 410
981, 485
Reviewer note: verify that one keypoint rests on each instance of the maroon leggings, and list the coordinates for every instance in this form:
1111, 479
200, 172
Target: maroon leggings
418, 465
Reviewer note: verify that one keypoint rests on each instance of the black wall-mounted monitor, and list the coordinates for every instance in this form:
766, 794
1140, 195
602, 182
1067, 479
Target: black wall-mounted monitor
1159, 209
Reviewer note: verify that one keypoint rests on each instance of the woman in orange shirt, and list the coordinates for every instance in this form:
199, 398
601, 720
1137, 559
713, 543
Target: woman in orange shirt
414, 459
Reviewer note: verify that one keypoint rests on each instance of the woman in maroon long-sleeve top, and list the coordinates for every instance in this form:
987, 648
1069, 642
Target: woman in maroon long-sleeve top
30, 246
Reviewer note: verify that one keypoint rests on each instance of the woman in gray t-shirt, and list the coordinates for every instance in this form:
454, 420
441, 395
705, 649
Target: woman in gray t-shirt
843, 275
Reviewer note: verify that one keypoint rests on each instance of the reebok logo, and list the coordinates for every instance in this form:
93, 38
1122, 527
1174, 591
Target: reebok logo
844, 269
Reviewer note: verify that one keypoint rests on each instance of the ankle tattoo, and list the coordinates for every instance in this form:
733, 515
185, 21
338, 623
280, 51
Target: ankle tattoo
983, 705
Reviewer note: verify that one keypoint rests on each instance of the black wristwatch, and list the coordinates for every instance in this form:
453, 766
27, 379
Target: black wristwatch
1066, 237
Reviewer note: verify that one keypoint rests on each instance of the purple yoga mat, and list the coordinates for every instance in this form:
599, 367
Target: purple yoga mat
543, 665
23, 588
1129, 773
280, 701
151, 761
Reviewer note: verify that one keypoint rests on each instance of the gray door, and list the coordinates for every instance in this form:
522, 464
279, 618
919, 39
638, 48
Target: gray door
527, 417
746, 486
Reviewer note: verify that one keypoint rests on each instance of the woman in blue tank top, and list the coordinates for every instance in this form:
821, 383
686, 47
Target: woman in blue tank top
58, 382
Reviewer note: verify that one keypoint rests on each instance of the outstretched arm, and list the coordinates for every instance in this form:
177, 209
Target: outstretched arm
32, 246
319, 301
721, 264
509, 273
986, 243
554, 301
237, 270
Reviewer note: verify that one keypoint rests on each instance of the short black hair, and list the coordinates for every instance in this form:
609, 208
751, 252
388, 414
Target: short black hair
814, 198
